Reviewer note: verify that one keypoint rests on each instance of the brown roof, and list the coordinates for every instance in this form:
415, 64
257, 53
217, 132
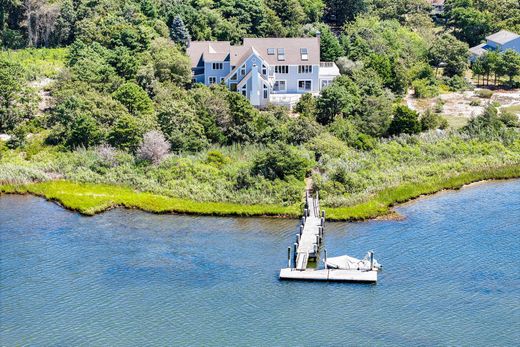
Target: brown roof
198, 48
292, 49
219, 50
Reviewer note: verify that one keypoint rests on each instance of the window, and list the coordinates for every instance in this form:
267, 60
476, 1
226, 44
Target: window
234, 77
266, 92
243, 70
279, 86
264, 70
218, 66
304, 68
212, 79
281, 69
270, 51
281, 54
305, 85
325, 83
222, 79
304, 53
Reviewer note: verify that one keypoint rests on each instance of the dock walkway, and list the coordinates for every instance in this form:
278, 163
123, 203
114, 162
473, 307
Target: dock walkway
307, 248
311, 232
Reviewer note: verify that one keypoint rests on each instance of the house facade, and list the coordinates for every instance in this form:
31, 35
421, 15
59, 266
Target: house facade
264, 70
499, 42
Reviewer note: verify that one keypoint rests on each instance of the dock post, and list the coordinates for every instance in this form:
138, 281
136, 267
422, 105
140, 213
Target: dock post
301, 229
303, 220
322, 221
298, 238
325, 257
295, 248
289, 263
323, 213
305, 212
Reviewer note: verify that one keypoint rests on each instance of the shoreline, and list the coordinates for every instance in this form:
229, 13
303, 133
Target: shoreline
90, 199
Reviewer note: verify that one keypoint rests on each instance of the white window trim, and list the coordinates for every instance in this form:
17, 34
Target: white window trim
209, 79
281, 90
243, 68
283, 73
221, 66
304, 90
328, 81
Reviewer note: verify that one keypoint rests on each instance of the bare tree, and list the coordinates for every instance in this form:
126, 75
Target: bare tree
40, 21
154, 147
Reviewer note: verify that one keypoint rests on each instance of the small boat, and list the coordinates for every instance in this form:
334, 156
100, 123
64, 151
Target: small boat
345, 262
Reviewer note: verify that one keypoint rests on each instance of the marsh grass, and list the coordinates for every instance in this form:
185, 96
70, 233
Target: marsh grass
380, 203
89, 199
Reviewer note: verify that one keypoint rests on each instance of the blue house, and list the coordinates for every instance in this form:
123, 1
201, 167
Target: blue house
265, 70
500, 42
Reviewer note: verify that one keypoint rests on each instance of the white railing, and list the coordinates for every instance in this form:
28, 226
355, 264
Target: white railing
327, 64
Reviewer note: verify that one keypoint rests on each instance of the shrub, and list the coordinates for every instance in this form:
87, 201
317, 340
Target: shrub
425, 88
217, 159
154, 147
475, 102
484, 93
405, 121
430, 121
280, 161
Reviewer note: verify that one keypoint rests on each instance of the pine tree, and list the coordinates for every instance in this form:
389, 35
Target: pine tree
179, 33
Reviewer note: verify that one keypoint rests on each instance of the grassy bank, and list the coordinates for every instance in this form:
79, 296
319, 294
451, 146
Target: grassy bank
89, 199
380, 204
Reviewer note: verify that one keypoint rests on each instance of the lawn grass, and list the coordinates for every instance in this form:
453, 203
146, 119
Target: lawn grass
89, 198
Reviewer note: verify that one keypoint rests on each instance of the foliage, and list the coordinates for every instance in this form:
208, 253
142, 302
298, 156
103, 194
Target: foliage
153, 148
405, 121
178, 32
17, 102
447, 50
280, 162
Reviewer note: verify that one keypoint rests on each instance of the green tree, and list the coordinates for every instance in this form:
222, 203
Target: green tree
84, 132
447, 50
341, 11
126, 133
511, 64
179, 33
17, 101
306, 106
341, 98
330, 49
470, 25
134, 98
280, 162
405, 121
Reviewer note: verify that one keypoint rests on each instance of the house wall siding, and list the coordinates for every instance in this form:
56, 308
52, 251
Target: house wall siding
514, 45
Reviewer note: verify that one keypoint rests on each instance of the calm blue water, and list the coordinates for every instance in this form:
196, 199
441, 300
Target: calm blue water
127, 278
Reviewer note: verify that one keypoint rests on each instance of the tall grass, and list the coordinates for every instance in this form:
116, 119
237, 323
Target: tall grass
38, 62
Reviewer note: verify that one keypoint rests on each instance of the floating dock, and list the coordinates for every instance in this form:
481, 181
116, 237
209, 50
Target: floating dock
307, 249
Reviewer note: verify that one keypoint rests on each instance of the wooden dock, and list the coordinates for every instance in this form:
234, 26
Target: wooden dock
308, 246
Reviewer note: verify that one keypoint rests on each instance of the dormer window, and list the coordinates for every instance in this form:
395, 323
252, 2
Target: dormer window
304, 53
270, 51
243, 70
281, 54
218, 66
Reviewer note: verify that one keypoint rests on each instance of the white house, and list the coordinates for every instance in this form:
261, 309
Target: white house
500, 42
265, 70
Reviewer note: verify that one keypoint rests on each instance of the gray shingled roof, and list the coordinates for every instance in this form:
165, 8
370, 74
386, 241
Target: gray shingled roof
502, 37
